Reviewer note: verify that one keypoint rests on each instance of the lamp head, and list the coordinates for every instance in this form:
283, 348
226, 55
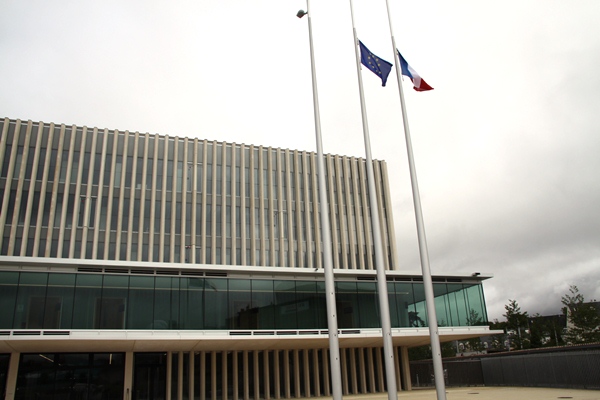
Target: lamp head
301, 13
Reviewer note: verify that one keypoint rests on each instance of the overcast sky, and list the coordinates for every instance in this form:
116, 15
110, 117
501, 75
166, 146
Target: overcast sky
507, 146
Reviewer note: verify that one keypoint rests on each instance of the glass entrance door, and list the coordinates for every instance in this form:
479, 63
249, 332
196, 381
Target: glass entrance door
150, 376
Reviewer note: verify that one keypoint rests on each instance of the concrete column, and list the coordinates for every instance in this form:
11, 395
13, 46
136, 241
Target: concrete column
306, 373
360, 232
163, 200
367, 238
121, 191
142, 201
405, 368
42, 200
180, 376
335, 240
316, 222
380, 371
297, 393
171, 255
353, 375
326, 383
341, 209
213, 210
169, 374
350, 216
307, 213
246, 377
11, 379
20, 184
390, 218
256, 373
32, 183
234, 369
202, 373
191, 375
213, 375
286, 372
128, 378
344, 364
266, 375
362, 370
131, 205
194, 178
203, 202
397, 367
315, 362
224, 374
371, 370
276, 374
53, 197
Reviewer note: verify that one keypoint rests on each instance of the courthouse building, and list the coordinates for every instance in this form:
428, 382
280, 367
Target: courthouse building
141, 266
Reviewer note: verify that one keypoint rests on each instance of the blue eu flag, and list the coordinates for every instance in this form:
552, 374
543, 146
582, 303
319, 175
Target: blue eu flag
379, 66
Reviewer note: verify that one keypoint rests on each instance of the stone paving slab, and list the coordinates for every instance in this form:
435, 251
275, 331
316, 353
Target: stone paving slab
488, 393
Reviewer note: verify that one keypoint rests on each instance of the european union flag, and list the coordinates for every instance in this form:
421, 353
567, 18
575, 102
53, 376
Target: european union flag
379, 66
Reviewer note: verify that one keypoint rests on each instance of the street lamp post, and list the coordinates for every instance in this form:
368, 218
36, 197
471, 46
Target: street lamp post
334, 348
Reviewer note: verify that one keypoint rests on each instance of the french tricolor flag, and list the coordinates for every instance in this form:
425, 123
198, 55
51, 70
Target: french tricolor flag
419, 84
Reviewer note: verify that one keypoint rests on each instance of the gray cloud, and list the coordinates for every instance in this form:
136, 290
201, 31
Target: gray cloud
506, 145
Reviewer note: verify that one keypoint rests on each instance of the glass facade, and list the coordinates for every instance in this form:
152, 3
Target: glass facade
70, 376
36, 300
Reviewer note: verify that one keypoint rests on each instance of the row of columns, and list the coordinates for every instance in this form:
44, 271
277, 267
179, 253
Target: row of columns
295, 374
275, 201
259, 374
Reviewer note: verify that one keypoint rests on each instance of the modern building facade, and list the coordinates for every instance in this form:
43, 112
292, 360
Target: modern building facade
142, 266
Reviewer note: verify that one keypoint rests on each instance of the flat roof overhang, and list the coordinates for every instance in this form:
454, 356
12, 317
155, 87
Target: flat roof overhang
68, 265
33, 341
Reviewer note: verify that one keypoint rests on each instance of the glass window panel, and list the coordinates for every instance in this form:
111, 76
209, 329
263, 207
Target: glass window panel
285, 304
241, 313
141, 295
307, 304
476, 312
166, 303
347, 306
31, 301
263, 300
404, 300
112, 305
59, 301
8, 295
418, 318
321, 306
368, 305
192, 304
215, 294
442, 312
87, 303
394, 320
456, 304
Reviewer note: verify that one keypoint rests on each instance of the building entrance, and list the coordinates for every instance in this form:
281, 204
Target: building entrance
70, 376
150, 376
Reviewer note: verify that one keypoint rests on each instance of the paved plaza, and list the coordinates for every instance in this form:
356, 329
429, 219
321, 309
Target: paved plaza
490, 393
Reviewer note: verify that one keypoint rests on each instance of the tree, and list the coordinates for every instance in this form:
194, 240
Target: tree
516, 324
537, 330
473, 319
583, 318
498, 342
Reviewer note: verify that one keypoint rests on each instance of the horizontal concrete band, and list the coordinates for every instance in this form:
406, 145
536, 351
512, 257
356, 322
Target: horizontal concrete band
151, 340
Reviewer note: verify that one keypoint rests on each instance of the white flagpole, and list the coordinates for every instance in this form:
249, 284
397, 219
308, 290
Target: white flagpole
436, 351
384, 307
334, 348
